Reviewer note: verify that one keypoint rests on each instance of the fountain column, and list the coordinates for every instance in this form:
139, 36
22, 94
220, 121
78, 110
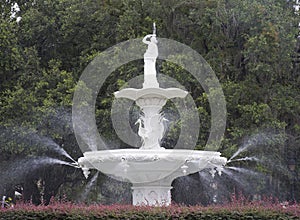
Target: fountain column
156, 193
151, 195
151, 99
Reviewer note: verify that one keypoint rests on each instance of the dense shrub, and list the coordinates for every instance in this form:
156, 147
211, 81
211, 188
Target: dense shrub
70, 211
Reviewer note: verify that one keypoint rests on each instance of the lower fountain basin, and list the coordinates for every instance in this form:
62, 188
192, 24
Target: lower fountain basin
140, 166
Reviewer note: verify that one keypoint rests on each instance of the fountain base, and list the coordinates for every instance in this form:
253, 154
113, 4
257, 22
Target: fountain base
151, 171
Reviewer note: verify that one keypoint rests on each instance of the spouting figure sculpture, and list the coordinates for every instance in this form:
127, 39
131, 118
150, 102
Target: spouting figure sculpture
151, 168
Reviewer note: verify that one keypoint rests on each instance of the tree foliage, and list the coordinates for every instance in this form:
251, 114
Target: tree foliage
251, 45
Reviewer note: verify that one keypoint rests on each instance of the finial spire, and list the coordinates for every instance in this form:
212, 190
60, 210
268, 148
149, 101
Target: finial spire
154, 29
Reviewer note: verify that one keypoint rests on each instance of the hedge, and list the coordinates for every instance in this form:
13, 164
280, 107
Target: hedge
69, 211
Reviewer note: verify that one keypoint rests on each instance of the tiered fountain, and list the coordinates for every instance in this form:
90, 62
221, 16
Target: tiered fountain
151, 168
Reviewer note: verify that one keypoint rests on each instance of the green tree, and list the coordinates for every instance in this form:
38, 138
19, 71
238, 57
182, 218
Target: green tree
251, 46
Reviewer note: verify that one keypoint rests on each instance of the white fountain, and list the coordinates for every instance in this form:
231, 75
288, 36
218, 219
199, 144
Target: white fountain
151, 168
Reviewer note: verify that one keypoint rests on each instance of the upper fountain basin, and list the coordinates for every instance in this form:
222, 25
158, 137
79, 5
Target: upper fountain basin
135, 94
141, 166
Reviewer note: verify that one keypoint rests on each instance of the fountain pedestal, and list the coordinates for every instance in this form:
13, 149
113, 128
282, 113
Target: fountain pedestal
151, 195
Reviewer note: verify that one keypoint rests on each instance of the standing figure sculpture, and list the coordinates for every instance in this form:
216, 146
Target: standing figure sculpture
152, 51
150, 57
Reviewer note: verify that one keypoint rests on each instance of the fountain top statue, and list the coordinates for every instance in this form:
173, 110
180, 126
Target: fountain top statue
151, 41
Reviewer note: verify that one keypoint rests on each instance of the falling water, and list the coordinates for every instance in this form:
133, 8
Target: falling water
84, 124
205, 176
205, 179
251, 142
47, 160
89, 186
236, 178
31, 139
21, 168
115, 192
256, 140
40, 161
245, 171
244, 159
55, 147
277, 166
